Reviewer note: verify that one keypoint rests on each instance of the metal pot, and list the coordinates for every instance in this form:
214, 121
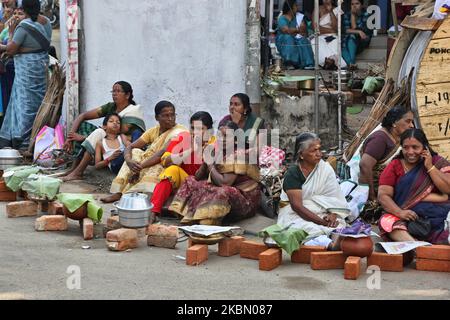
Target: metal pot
9, 158
309, 84
134, 210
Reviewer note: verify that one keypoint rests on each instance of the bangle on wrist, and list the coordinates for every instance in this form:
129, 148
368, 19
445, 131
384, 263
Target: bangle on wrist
431, 169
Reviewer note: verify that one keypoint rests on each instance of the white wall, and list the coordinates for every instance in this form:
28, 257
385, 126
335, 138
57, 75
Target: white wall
189, 52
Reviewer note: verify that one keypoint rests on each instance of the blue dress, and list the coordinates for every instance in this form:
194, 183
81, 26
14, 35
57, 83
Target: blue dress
294, 51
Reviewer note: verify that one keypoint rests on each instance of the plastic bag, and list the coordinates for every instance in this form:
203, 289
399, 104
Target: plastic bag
47, 140
42, 186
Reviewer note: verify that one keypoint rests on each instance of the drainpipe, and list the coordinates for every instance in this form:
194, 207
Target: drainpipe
253, 55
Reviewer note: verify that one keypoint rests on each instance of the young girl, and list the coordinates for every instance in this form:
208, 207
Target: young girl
109, 151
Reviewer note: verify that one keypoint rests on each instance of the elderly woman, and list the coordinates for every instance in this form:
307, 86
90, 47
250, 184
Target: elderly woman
292, 42
378, 150
142, 169
241, 114
316, 204
357, 35
414, 189
29, 42
183, 158
224, 191
328, 41
84, 136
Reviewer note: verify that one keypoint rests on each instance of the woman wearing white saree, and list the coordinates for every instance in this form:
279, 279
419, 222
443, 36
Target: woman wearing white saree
316, 204
328, 38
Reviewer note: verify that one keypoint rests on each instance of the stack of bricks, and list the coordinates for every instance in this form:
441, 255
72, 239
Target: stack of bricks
51, 223
55, 208
122, 239
6, 195
303, 254
433, 258
162, 236
111, 224
196, 254
20, 209
230, 246
386, 262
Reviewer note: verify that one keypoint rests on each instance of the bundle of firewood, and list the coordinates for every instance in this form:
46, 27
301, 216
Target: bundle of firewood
50, 110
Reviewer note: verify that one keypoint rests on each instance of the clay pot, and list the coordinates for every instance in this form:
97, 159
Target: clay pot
357, 247
78, 214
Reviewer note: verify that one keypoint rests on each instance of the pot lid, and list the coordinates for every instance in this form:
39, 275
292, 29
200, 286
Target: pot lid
134, 202
8, 153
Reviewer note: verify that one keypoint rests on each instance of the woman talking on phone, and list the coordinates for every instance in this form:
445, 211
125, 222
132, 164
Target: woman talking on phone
241, 114
414, 192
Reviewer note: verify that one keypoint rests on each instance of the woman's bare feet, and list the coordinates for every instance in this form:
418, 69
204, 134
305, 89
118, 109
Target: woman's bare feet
72, 177
112, 198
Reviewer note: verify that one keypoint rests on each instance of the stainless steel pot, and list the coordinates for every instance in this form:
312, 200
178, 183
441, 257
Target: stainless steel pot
134, 210
9, 158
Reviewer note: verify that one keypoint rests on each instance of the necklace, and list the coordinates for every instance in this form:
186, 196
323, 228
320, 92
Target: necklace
404, 166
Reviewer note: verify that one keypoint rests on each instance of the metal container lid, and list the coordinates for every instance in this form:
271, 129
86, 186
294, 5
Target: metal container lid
8, 153
134, 202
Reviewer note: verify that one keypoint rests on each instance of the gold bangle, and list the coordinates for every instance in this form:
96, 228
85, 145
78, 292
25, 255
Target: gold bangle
431, 169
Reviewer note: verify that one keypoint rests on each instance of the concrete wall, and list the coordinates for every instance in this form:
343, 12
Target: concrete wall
191, 53
294, 115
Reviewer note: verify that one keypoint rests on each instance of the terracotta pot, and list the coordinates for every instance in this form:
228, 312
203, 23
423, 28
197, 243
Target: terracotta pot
78, 214
357, 247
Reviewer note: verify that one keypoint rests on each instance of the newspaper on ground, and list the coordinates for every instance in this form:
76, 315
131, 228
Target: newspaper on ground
402, 247
207, 230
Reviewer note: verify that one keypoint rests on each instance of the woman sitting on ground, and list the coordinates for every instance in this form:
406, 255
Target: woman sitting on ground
357, 35
292, 39
377, 152
109, 151
241, 114
416, 185
84, 136
142, 169
317, 205
183, 158
328, 41
224, 191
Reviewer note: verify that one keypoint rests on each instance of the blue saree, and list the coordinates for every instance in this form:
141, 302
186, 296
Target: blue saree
415, 186
294, 51
30, 84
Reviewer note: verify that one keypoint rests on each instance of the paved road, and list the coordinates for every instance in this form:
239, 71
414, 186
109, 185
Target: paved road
33, 266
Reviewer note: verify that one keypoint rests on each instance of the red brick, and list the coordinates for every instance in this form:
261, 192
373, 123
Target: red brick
270, 259
162, 230
122, 245
162, 242
7, 196
386, 262
121, 235
190, 243
196, 254
55, 208
43, 207
352, 268
327, 260
433, 265
88, 229
303, 255
230, 246
113, 223
252, 249
3, 187
51, 223
21, 209
436, 252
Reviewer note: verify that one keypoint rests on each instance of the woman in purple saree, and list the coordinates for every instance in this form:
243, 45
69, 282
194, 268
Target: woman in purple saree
415, 186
